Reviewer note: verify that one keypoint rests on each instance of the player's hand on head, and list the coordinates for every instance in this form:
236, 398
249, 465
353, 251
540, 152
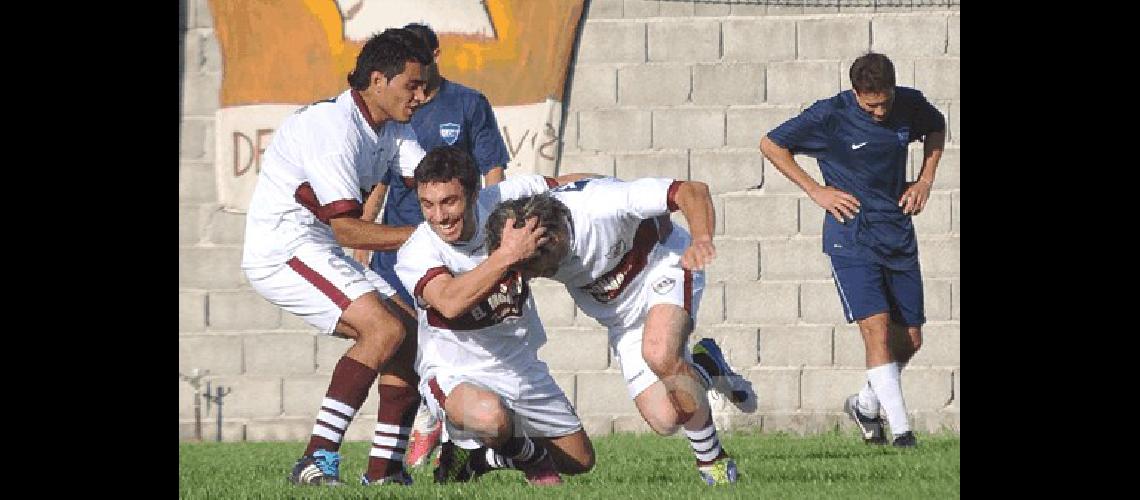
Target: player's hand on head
842, 205
521, 240
914, 199
699, 254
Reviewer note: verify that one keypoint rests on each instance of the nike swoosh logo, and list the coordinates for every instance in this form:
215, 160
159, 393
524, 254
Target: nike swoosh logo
857, 146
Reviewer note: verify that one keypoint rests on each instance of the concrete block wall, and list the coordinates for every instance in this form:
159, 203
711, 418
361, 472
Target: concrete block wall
658, 88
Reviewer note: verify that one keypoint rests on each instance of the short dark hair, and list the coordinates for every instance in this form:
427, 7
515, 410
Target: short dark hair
872, 72
445, 163
425, 34
552, 214
387, 52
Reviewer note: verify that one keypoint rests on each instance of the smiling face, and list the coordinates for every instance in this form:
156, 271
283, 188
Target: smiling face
399, 97
446, 209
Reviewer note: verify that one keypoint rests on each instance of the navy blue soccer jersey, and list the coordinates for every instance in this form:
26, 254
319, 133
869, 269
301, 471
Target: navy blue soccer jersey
457, 116
867, 160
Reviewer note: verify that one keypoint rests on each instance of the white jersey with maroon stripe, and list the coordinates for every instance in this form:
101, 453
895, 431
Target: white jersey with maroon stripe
501, 332
614, 232
319, 164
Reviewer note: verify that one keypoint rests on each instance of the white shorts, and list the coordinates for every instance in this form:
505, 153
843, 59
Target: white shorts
541, 408
318, 283
664, 282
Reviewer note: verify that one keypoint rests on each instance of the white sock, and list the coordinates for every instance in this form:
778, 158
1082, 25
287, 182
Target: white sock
885, 382
868, 403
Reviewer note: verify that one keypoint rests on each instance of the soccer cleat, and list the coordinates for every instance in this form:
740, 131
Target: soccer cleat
421, 444
320, 467
722, 471
401, 478
905, 440
872, 428
455, 464
543, 473
737, 389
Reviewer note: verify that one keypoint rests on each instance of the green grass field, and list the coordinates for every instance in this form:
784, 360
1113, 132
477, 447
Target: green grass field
628, 466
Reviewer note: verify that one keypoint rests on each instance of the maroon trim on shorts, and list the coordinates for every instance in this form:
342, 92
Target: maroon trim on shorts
332, 292
689, 293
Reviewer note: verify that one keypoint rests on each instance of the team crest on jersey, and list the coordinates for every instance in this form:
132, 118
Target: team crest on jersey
663, 285
904, 136
449, 132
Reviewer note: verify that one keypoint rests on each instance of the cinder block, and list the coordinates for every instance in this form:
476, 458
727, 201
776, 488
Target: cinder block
604, 9
554, 304
746, 126
728, 83
363, 427
743, 10
711, 9
575, 349
718, 206
674, 8
940, 257
232, 432
777, 183
209, 55
760, 215
832, 38
948, 175
761, 303
793, 259
801, 423
957, 387
811, 217
615, 130
927, 388
759, 40
201, 94
937, 299
849, 350
190, 221
591, 163
941, 346
954, 35
711, 309
196, 184
242, 310
612, 42
220, 354
329, 351
569, 136
956, 299
743, 422
819, 303
909, 36
593, 86
939, 79
795, 346
302, 395
642, 8
249, 397
603, 393
936, 421
935, 217
290, 321
801, 82
279, 429
191, 311
582, 320
954, 123
202, 16
684, 41
210, 268
674, 165
738, 343
283, 354
777, 389
632, 424
186, 396
654, 84
196, 139
726, 170
566, 381
737, 260
826, 388
688, 128
597, 425
785, 10
226, 228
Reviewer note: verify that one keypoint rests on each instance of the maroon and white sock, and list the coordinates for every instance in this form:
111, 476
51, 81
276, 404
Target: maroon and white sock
705, 444
394, 418
518, 452
348, 388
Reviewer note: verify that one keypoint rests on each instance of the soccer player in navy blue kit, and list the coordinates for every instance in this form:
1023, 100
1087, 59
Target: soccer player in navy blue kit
453, 115
859, 138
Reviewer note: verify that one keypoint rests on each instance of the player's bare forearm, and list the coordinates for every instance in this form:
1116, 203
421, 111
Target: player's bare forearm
373, 203
454, 295
493, 176
932, 147
360, 234
695, 203
783, 160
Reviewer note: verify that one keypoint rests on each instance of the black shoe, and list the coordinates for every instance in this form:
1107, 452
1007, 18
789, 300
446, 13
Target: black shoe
455, 464
872, 428
321, 467
905, 440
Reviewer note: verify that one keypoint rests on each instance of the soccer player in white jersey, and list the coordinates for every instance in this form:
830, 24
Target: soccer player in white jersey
479, 332
614, 248
305, 207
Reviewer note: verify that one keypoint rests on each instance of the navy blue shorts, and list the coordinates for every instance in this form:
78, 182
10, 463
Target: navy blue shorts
867, 288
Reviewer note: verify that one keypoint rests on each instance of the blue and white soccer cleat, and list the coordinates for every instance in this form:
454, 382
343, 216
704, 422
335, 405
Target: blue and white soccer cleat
708, 356
321, 467
722, 471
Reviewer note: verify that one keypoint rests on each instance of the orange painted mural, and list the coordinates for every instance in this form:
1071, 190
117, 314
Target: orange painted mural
278, 55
